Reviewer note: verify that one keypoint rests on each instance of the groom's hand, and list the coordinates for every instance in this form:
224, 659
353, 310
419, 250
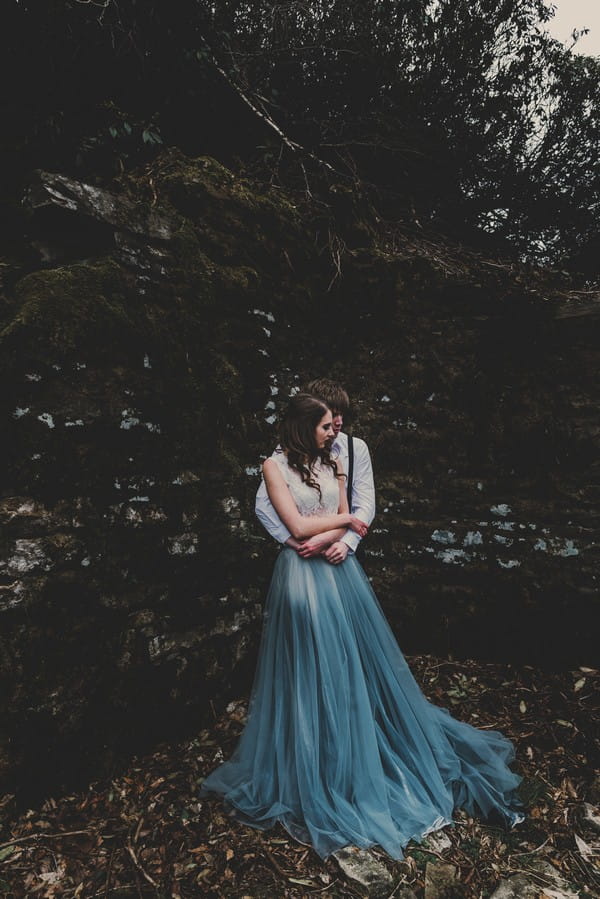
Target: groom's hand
292, 543
336, 553
313, 547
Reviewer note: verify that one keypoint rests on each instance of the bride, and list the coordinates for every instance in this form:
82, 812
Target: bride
341, 747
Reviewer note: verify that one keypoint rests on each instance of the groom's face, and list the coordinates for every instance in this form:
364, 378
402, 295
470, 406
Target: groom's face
337, 422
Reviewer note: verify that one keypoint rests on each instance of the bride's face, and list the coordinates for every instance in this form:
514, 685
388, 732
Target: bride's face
324, 431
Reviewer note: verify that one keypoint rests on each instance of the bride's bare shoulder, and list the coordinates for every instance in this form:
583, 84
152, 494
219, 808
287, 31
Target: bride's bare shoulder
274, 462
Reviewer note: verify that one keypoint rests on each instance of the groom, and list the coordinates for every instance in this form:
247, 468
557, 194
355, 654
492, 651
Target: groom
362, 489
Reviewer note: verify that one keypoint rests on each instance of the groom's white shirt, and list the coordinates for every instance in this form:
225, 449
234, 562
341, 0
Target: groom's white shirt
363, 492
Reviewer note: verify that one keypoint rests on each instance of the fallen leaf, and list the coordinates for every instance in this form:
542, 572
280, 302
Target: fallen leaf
585, 850
569, 787
557, 894
592, 815
52, 876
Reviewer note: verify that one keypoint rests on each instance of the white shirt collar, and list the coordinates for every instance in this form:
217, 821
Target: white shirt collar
337, 446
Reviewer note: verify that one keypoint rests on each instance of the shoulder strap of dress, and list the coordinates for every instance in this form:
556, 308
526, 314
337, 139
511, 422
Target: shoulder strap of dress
350, 471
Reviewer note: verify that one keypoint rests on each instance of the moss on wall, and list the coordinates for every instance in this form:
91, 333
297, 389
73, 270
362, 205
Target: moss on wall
143, 374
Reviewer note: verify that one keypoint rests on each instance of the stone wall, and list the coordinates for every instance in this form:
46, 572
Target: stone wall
151, 333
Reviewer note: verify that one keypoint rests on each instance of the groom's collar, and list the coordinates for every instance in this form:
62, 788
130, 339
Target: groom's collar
339, 442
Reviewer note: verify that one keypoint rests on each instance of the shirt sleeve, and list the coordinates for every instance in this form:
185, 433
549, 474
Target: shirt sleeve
363, 491
268, 517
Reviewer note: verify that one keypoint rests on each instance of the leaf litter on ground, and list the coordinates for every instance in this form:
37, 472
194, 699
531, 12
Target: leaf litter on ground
146, 833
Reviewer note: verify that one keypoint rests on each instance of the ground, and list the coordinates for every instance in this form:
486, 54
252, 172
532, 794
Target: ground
144, 833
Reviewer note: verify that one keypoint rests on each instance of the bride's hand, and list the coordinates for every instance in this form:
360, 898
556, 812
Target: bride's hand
358, 526
308, 549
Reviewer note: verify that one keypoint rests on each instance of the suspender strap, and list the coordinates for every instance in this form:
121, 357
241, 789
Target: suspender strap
350, 472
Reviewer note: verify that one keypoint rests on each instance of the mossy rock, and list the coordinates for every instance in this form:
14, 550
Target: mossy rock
65, 308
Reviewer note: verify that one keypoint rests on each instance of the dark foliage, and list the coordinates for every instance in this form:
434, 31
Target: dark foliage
462, 114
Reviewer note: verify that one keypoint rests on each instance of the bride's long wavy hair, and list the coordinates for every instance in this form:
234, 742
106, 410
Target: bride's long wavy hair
297, 437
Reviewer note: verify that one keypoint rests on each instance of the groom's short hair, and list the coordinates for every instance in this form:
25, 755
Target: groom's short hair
330, 392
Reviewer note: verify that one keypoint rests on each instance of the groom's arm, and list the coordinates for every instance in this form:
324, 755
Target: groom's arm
363, 491
268, 517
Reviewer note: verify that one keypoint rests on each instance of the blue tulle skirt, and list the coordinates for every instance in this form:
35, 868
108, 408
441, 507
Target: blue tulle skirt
341, 747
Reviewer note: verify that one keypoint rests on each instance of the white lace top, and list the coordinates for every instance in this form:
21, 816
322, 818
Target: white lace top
306, 497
